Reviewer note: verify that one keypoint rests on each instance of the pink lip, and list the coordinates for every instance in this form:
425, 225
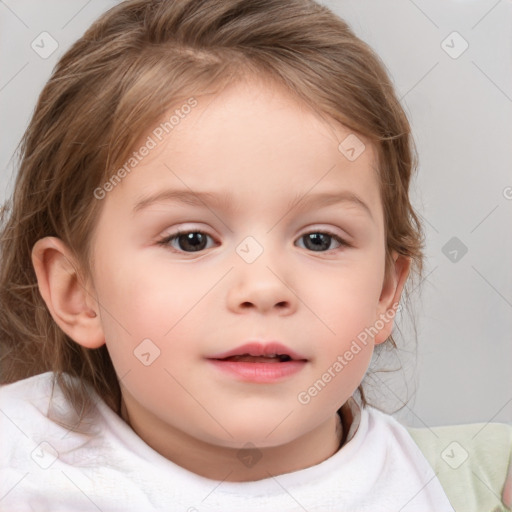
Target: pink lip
260, 349
259, 372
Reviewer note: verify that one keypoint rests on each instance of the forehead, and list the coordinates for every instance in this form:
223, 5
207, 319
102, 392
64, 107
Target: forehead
253, 138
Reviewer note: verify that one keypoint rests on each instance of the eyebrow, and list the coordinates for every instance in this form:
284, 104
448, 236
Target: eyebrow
223, 201
304, 202
191, 197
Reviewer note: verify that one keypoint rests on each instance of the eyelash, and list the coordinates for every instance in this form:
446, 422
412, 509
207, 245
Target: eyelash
165, 241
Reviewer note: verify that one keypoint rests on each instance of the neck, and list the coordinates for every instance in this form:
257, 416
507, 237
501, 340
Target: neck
249, 463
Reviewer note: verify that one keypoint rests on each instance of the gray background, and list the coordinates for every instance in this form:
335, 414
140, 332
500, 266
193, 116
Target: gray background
460, 107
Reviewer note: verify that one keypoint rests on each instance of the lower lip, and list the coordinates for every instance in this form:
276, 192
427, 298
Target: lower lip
259, 372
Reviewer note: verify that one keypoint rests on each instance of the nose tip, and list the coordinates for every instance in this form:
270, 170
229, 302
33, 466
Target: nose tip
261, 290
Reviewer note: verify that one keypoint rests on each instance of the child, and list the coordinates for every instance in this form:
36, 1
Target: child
210, 233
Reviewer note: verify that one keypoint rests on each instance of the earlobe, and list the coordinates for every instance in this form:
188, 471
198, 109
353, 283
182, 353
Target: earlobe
71, 305
390, 297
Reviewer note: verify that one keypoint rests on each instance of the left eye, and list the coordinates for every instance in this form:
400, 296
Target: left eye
320, 241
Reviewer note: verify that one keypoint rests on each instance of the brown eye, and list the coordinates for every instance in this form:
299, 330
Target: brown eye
191, 241
320, 241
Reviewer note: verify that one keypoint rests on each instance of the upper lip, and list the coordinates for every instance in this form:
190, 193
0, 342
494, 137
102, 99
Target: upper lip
260, 349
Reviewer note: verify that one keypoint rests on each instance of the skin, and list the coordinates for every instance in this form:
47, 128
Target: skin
262, 148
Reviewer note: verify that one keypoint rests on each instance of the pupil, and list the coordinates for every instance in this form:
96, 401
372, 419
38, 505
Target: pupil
319, 241
193, 241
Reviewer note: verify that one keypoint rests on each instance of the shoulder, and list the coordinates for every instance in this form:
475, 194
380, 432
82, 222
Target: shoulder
473, 463
24, 407
39, 452
27, 396
35, 416
477, 439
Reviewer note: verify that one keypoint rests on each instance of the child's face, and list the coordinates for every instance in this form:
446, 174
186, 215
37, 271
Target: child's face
256, 276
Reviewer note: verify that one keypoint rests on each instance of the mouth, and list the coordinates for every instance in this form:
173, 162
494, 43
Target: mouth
248, 358
256, 352
257, 362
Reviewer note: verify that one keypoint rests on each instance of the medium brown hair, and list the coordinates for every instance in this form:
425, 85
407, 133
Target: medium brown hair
115, 82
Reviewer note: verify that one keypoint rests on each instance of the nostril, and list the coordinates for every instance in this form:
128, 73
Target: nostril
280, 305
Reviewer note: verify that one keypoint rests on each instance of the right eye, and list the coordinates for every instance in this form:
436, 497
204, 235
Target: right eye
186, 241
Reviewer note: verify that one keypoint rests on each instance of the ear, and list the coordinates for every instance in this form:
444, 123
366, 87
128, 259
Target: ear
390, 295
71, 304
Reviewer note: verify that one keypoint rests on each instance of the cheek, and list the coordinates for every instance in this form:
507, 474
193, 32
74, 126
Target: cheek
343, 305
141, 300
344, 300
130, 289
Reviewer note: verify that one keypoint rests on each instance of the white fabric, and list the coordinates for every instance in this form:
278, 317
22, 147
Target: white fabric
44, 467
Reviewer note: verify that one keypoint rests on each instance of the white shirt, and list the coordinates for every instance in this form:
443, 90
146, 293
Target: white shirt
45, 467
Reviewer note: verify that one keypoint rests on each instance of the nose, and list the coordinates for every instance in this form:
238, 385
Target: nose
261, 286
